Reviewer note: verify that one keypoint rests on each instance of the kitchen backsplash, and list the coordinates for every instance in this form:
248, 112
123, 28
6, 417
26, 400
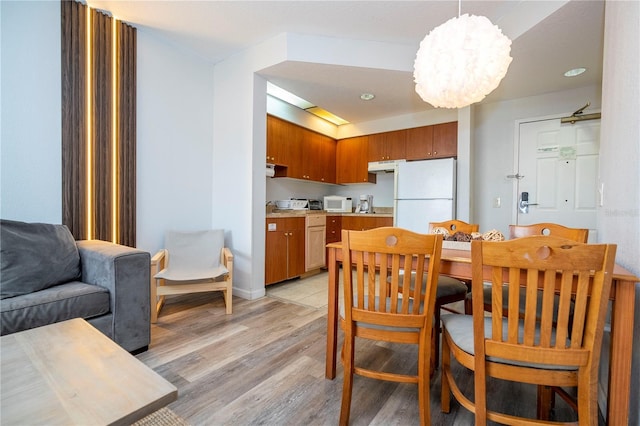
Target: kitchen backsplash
285, 188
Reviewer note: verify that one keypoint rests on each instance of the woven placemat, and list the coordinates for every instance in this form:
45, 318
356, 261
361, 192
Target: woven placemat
162, 417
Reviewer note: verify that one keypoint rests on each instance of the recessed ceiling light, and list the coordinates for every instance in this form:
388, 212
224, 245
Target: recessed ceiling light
286, 96
326, 115
290, 98
574, 72
367, 96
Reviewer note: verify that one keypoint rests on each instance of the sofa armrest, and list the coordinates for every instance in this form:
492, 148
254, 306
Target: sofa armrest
124, 271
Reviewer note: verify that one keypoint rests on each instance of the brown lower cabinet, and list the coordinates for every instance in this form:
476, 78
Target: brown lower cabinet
362, 223
334, 229
285, 242
285, 249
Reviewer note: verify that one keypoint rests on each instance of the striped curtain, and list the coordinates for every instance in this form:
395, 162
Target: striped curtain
98, 125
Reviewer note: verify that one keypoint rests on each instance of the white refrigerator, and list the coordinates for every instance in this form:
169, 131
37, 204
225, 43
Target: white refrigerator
425, 192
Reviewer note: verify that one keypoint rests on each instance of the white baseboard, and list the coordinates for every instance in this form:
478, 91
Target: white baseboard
249, 294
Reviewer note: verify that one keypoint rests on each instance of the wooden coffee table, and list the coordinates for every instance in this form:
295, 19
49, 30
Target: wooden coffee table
70, 373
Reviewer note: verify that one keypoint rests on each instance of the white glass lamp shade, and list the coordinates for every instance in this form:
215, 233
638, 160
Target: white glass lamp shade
461, 61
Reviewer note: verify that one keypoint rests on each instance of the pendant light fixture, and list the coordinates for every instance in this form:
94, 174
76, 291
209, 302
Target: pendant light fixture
461, 61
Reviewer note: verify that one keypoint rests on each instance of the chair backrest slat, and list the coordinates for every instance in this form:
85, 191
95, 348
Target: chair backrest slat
513, 321
546, 319
581, 303
530, 307
563, 319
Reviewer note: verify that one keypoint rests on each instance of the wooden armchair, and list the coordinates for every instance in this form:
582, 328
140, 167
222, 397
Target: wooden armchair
378, 307
192, 262
550, 349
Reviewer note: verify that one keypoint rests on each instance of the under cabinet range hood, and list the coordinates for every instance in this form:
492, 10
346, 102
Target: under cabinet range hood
271, 170
387, 166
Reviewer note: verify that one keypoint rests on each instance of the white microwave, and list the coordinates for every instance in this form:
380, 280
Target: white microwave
335, 203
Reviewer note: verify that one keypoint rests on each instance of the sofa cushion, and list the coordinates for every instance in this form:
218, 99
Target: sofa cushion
35, 256
54, 304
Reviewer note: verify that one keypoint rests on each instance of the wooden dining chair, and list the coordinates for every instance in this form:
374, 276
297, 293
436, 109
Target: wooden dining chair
377, 306
576, 234
450, 290
580, 235
541, 349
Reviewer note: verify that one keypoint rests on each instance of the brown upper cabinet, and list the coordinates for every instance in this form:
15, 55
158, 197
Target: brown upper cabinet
437, 141
445, 140
318, 157
351, 161
300, 153
387, 146
280, 141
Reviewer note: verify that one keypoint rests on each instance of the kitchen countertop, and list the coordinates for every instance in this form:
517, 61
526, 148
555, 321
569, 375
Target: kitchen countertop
388, 212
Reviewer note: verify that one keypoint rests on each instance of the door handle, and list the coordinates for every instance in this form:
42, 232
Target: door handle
523, 203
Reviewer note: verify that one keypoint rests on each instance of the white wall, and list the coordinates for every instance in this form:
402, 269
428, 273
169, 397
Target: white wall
175, 142
619, 218
239, 145
30, 142
493, 148
174, 127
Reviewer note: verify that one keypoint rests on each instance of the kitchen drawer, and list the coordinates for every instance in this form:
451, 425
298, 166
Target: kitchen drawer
316, 220
334, 229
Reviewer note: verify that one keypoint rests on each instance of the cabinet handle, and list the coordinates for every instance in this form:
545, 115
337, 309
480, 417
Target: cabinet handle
435, 152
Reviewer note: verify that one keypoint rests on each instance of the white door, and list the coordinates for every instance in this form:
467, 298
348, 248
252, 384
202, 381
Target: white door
557, 170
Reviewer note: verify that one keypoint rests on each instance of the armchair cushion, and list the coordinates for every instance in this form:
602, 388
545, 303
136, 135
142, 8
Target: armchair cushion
36, 256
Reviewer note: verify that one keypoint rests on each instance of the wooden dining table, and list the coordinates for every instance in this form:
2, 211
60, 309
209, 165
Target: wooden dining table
457, 263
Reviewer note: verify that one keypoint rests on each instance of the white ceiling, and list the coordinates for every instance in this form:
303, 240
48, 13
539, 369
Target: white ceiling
549, 37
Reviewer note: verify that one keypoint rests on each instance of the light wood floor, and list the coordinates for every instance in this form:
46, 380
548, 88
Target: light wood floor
264, 364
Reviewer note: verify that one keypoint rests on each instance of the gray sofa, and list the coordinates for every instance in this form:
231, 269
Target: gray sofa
48, 277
